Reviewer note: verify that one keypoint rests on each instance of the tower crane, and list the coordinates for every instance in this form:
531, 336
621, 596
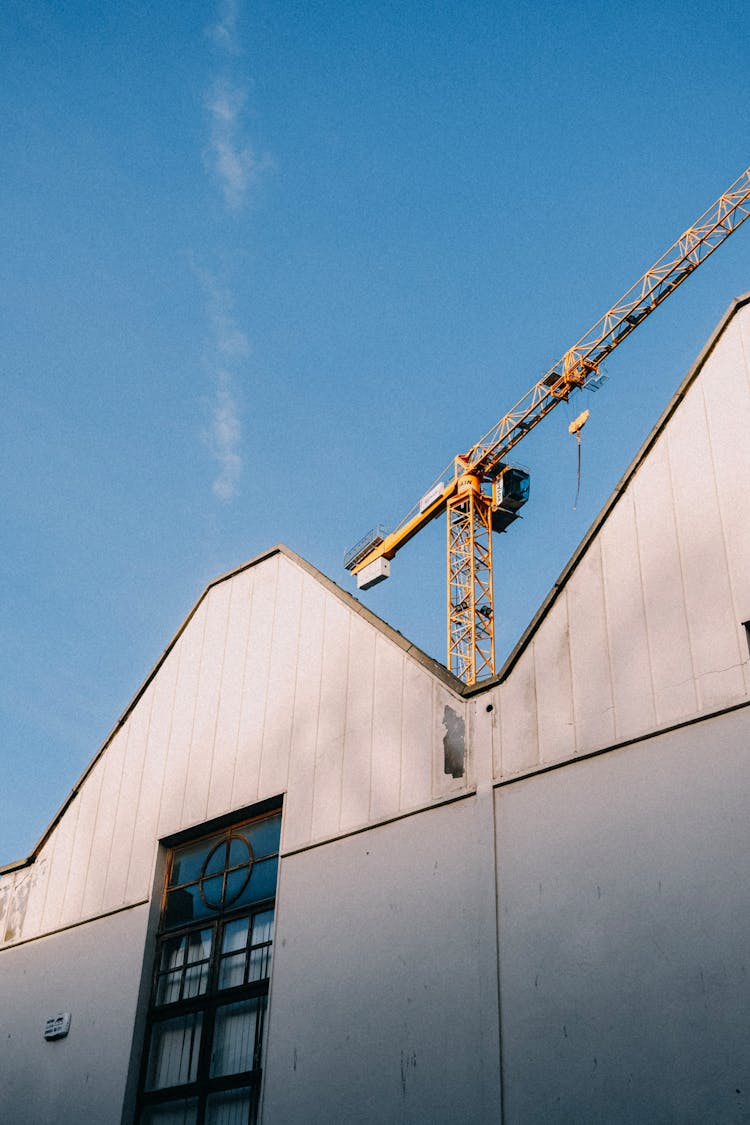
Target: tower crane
481, 492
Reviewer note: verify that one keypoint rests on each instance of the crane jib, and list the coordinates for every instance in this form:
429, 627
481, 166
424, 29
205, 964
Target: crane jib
470, 509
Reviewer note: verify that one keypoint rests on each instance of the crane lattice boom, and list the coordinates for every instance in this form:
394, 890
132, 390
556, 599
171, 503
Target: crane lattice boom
474, 512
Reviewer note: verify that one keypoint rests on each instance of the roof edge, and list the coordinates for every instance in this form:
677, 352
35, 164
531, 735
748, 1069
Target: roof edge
433, 666
560, 582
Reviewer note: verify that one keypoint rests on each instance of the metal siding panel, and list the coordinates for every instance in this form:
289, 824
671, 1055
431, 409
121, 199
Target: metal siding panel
629, 655
713, 636
257, 664
385, 773
58, 877
519, 739
298, 804
189, 647
123, 829
554, 686
329, 748
7, 884
200, 759
726, 390
592, 681
277, 729
111, 762
357, 762
416, 751
661, 574
230, 699
140, 869
82, 856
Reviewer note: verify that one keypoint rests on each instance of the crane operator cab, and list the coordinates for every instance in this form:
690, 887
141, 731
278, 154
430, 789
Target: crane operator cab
510, 491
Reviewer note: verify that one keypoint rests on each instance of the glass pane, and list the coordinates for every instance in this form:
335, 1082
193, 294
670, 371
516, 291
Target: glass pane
173, 1058
230, 1107
212, 892
217, 860
196, 980
235, 935
262, 927
260, 963
181, 907
184, 1112
234, 1037
236, 883
188, 861
239, 852
199, 945
169, 987
262, 880
232, 971
264, 836
173, 953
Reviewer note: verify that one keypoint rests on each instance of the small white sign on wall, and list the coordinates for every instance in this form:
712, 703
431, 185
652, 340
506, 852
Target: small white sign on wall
58, 1026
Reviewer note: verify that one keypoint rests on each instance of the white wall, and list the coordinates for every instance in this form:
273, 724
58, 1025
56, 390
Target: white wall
93, 972
276, 685
384, 994
647, 629
624, 922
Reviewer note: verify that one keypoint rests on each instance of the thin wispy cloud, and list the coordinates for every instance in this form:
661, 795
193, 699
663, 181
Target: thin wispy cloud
229, 347
230, 157
224, 31
225, 438
233, 164
230, 340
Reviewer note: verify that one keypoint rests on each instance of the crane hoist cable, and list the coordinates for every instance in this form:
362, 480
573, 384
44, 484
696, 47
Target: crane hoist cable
481, 492
575, 427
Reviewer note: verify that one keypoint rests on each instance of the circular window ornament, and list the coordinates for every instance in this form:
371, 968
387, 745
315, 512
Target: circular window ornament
226, 872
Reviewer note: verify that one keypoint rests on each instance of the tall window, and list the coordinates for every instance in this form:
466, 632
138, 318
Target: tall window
204, 1044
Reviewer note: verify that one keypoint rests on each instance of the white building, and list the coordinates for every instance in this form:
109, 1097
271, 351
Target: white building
527, 902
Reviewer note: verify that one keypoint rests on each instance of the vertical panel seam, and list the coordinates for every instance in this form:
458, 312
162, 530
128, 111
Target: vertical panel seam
194, 705
696, 688
92, 836
243, 691
295, 680
402, 738
722, 525
151, 695
573, 708
267, 676
236, 706
111, 826
170, 725
316, 747
346, 717
64, 881
642, 589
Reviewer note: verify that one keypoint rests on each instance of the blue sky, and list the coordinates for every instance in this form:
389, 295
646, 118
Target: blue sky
268, 266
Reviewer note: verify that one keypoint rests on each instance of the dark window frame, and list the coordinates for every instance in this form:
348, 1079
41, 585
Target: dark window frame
208, 1001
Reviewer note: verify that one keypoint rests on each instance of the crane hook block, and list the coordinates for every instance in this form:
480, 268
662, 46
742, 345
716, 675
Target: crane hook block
578, 423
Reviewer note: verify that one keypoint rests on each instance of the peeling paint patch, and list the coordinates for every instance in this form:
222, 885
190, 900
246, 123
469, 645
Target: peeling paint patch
6, 894
17, 910
454, 742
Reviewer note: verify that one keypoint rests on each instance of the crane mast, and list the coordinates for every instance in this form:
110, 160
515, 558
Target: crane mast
481, 492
